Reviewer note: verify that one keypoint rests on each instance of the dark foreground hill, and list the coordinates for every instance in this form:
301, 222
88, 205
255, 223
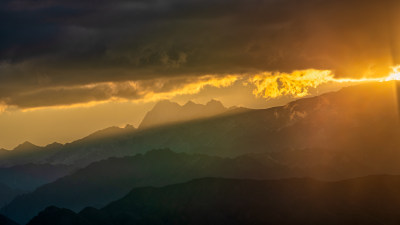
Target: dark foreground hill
6, 221
367, 200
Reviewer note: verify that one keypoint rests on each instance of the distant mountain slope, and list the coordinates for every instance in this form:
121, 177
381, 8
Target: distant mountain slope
107, 180
26, 153
166, 112
5, 221
7, 194
30, 176
367, 200
26, 147
108, 132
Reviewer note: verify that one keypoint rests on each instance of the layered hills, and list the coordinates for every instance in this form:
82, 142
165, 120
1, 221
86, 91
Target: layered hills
107, 180
366, 200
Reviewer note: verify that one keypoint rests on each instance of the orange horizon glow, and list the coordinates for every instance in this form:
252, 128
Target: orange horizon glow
270, 88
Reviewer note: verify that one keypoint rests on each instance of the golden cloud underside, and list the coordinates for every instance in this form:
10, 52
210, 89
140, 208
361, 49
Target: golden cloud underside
98, 93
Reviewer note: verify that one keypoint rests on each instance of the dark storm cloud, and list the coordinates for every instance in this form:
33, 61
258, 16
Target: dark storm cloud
53, 43
73, 95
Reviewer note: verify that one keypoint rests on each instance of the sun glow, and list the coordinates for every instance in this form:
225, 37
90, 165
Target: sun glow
395, 75
296, 84
299, 83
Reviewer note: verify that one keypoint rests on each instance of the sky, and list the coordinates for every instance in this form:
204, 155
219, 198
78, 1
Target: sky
69, 68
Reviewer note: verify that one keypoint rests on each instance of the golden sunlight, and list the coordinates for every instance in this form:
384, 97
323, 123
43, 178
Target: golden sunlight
298, 83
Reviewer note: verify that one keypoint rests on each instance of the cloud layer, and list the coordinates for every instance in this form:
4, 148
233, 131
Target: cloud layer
63, 45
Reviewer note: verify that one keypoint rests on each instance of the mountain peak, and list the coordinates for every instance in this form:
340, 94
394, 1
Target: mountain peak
165, 103
190, 103
167, 112
129, 127
26, 146
215, 103
109, 131
54, 145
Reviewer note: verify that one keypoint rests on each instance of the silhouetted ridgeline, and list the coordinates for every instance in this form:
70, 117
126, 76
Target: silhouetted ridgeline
367, 200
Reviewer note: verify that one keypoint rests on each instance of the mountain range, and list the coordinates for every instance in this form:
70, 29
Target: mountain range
164, 113
26, 153
355, 120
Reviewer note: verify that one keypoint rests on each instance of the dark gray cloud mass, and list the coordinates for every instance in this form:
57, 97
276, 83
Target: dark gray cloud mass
61, 43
